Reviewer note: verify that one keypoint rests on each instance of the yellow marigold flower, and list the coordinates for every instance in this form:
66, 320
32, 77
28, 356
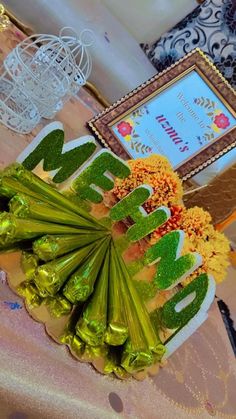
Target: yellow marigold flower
196, 222
157, 172
215, 255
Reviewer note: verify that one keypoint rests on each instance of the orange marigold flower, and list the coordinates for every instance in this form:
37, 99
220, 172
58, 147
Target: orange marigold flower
173, 223
156, 172
196, 222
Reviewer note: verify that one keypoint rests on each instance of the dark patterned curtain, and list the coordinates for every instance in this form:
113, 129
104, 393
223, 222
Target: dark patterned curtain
211, 27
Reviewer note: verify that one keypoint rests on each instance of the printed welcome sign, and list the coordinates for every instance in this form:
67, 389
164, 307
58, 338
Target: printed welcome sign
177, 123
187, 114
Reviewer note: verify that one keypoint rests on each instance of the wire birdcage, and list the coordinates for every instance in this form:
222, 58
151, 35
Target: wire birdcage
50, 69
17, 111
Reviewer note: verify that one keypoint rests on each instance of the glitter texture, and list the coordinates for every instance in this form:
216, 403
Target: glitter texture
94, 174
50, 151
130, 207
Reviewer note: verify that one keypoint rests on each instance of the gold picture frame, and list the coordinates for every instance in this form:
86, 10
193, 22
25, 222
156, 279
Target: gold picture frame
196, 61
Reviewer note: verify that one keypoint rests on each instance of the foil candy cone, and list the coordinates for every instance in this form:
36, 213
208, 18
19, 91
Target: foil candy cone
117, 329
92, 324
81, 284
51, 276
50, 247
25, 207
13, 229
151, 336
47, 192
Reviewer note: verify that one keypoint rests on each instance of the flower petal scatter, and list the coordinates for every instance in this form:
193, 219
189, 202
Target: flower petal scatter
156, 172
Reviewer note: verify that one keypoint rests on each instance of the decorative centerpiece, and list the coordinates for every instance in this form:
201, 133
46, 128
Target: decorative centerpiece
113, 263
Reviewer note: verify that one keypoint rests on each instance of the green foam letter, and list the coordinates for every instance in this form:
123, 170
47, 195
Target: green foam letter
49, 147
172, 268
95, 175
130, 206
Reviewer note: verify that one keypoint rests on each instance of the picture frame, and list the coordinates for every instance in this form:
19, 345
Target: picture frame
190, 117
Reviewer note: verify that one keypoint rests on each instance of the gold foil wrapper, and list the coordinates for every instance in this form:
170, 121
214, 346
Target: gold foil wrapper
29, 264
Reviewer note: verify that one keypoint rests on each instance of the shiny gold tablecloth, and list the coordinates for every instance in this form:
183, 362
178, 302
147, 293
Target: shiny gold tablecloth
40, 379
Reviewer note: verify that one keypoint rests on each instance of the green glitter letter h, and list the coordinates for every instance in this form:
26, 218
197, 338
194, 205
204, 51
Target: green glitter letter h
130, 206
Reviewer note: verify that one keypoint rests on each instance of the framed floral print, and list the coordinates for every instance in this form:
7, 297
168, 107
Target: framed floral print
187, 113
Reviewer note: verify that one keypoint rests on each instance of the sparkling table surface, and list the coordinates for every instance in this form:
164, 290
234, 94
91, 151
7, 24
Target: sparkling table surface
40, 379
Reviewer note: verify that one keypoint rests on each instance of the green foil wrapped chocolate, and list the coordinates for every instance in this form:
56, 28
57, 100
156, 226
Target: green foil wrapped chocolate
117, 329
25, 207
58, 306
50, 247
81, 284
29, 291
13, 229
92, 324
29, 264
51, 276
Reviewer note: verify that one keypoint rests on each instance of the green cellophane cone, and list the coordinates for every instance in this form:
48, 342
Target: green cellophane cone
81, 284
51, 276
92, 324
52, 246
136, 354
46, 192
117, 329
13, 229
151, 336
25, 207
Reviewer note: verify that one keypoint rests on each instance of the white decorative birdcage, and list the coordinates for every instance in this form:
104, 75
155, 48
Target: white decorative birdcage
49, 69
17, 111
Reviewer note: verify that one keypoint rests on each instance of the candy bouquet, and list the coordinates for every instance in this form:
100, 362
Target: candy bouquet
116, 267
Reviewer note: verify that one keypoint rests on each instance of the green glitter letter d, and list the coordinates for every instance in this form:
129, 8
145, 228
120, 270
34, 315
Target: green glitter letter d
172, 267
187, 310
130, 206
